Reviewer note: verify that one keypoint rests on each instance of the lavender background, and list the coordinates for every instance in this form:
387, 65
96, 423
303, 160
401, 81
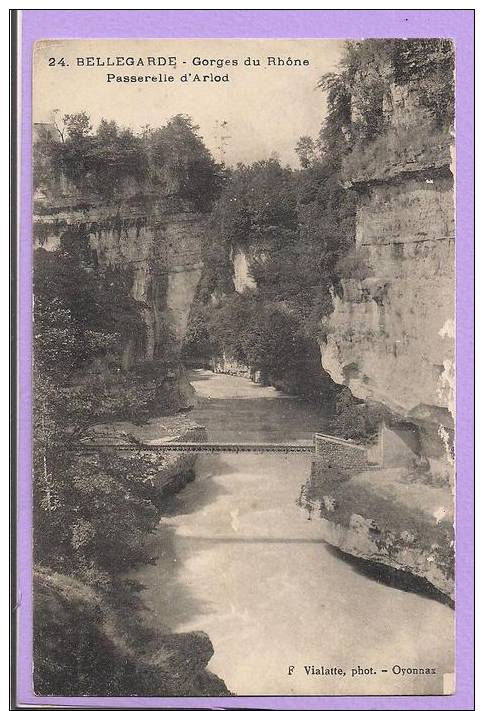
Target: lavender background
347, 24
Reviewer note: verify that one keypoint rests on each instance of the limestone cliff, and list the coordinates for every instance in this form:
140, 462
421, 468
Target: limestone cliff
391, 334
154, 239
242, 278
390, 339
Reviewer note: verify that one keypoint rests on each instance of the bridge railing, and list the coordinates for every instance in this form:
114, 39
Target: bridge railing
325, 447
210, 447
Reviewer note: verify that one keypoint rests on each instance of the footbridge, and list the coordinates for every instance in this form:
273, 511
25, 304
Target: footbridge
320, 444
210, 447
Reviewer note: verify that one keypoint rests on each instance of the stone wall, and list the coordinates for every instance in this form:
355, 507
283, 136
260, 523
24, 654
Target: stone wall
340, 455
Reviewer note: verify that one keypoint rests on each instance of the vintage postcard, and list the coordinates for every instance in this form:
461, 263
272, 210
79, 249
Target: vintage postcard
243, 368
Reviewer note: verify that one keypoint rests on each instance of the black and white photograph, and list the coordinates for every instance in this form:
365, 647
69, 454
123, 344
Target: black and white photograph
243, 367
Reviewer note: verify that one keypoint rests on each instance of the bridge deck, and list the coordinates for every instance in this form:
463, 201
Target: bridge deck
205, 447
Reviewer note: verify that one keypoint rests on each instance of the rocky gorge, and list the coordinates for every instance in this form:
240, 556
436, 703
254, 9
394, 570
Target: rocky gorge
333, 283
387, 337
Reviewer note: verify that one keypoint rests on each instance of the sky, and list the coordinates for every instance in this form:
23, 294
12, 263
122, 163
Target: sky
267, 108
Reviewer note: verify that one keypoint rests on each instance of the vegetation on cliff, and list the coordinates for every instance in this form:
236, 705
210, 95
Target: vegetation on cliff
171, 160
390, 124
380, 85
292, 225
93, 514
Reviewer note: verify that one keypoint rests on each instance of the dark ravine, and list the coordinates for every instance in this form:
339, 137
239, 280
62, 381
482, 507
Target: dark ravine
388, 344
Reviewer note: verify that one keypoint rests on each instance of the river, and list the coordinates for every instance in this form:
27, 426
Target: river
238, 559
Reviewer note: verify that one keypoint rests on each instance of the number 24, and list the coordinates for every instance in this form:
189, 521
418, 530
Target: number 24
60, 62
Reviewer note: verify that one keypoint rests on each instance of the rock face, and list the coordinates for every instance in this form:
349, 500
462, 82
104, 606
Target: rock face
161, 250
243, 281
387, 516
390, 339
78, 628
173, 469
155, 240
391, 333
230, 366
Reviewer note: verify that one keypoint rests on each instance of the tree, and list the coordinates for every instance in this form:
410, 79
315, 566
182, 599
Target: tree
81, 318
78, 126
172, 160
306, 151
182, 164
368, 69
257, 201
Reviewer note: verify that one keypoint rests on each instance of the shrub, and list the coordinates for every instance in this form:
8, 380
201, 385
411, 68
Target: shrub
358, 419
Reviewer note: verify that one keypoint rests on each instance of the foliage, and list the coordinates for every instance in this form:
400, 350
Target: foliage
354, 265
293, 227
430, 62
307, 151
98, 162
93, 516
92, 513
357, 93
76, 126
181, 164
297, 228
267, 337
171, 159
356, 419
80, 314
198, 341
84, 318
335, 133
87, 644
87, 514
258, 201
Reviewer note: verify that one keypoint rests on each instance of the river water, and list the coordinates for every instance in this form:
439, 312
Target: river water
238, 559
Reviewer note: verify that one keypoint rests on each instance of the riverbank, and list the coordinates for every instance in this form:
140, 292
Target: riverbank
93, 622
173, 470
115, 654
384, 517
